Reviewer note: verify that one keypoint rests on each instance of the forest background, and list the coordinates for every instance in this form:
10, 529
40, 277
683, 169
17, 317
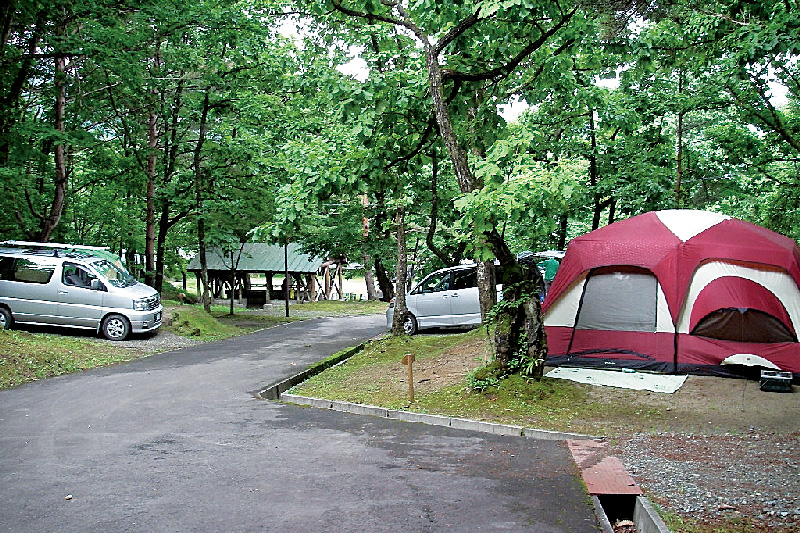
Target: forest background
157, 126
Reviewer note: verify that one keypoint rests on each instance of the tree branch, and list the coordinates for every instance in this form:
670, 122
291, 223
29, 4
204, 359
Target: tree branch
508, 68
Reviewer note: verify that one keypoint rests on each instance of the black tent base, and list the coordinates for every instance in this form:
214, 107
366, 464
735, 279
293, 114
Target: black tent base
635, 361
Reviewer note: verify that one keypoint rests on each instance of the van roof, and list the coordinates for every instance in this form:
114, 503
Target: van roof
53, 249
47, 253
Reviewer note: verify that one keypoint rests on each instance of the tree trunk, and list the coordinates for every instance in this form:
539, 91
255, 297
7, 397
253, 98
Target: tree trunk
562, 231
150, 215
15, 84
443, 257
520, 285
458, 156
400, 310
384, 281
369, 279
598, 208
170, 151
163, 228
679, 146
199, 186
233, 282
49, 222
487, 288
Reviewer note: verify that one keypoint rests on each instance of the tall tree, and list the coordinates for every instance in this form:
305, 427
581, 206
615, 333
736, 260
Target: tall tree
467, 50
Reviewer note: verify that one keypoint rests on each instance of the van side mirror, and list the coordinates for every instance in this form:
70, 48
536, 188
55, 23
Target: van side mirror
97, 285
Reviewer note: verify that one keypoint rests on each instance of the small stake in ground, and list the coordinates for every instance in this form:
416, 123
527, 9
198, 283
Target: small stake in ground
408, 360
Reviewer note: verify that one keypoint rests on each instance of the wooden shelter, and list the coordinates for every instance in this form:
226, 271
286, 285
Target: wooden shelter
268, 260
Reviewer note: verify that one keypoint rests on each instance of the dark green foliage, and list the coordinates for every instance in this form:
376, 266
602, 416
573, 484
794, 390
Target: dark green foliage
293, 146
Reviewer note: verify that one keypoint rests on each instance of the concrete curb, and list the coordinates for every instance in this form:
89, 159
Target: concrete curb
277, 391
645, 516
602, 519
274, 391
432, 420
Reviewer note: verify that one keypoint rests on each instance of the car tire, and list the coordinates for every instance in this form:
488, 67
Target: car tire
410, 324
115, 327
6, 319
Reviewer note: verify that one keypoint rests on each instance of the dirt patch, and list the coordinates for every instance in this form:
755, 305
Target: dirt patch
452, 365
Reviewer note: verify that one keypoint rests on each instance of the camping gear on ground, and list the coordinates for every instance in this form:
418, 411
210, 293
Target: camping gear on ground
772, 381
677, 291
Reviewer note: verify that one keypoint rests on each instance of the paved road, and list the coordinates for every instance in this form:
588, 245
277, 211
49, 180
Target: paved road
178, 442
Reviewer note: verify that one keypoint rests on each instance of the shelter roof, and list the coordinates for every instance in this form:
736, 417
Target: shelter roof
260, 257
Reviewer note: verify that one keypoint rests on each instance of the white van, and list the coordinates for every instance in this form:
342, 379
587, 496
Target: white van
445, 298
74, 288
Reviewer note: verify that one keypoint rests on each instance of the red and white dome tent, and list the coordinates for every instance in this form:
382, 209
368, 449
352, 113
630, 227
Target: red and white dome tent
677, 291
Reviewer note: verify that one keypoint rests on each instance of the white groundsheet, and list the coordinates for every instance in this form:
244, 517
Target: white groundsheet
625, 380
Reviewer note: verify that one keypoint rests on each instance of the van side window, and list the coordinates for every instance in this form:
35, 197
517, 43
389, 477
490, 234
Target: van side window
435, 283
465, 279
6, 268
27, 271
76, 276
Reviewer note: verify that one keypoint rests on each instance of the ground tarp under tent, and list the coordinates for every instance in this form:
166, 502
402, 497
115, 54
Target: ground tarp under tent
677, 291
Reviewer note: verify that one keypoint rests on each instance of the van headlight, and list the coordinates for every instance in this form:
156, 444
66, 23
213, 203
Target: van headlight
141, 305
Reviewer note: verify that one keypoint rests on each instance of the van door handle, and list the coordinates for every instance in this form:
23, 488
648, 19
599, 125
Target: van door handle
63, 292
455, 295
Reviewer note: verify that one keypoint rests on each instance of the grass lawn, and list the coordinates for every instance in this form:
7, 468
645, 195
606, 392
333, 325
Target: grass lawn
377, 376
28, 356
37, 353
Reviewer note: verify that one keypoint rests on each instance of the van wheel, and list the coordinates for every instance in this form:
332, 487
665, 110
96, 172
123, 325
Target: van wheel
6, 320
115, 327
410, 324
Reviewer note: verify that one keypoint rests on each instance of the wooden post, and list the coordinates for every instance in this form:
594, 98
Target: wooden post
340, 288
408, 360
268, 278
286, 276
327, 282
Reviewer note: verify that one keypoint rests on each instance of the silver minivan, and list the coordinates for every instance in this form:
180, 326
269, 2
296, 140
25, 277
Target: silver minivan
445, 298
76, 289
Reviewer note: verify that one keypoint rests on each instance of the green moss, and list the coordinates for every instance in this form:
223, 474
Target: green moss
194, 322
689, 524
172, 293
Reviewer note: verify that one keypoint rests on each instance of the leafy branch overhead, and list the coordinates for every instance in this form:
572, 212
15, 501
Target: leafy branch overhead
159, 127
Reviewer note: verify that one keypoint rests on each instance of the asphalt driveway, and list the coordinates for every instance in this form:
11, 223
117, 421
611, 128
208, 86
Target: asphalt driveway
178, 442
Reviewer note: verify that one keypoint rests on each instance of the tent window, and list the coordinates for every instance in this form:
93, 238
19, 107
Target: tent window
743, 325
619, 301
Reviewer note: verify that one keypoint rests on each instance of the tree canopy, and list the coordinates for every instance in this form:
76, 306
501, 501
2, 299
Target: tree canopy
156, 127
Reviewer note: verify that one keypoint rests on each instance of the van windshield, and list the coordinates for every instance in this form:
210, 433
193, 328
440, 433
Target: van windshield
117, 277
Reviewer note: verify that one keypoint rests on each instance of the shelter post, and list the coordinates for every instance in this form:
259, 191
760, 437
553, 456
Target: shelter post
286, 279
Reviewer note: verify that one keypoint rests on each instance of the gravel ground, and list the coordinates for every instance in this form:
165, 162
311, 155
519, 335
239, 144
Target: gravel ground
753, 479
719, 450
158, 342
